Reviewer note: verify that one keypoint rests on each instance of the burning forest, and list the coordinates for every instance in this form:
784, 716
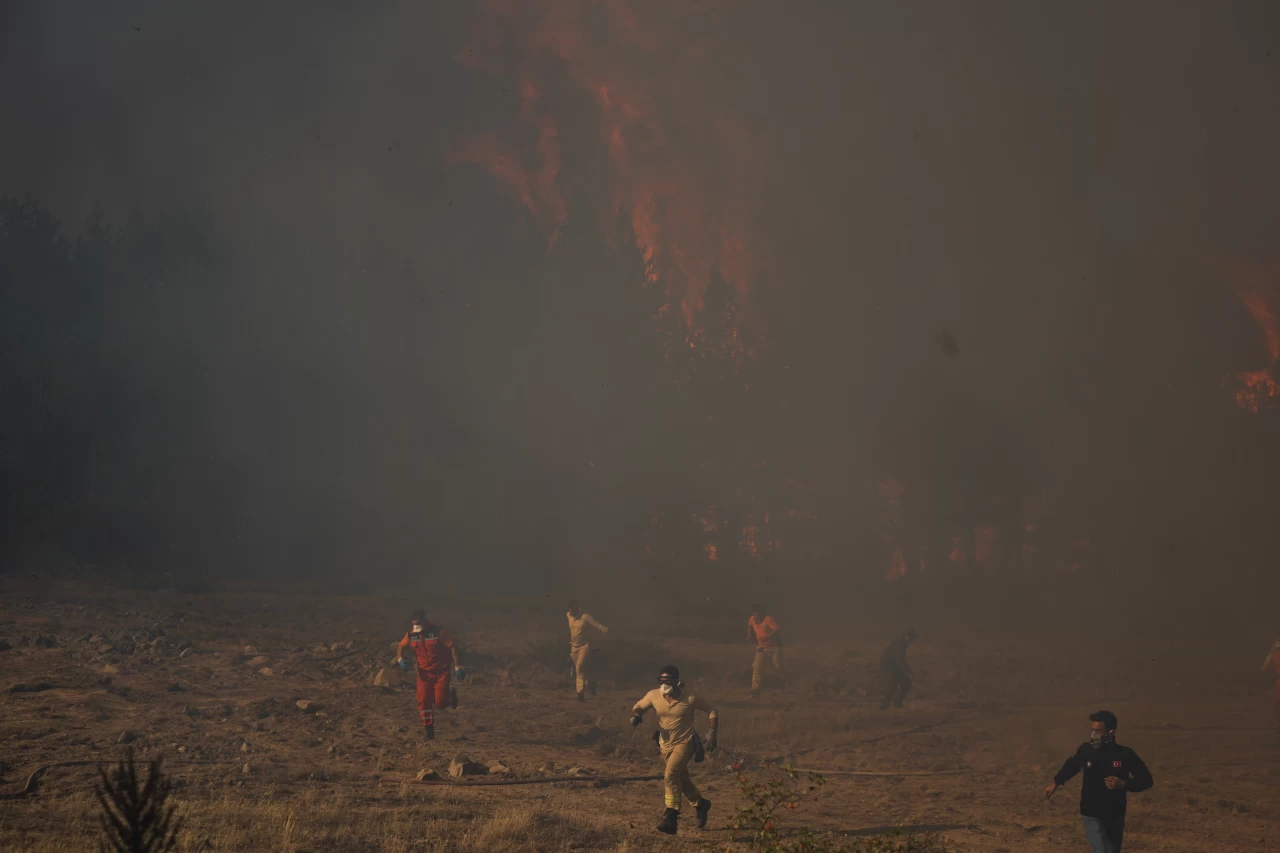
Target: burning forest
567, 425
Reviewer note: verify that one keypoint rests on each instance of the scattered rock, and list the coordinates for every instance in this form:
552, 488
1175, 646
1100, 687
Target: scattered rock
31, 687
260, 660
427, 774
182, 749
547, 769
188, 650
498, 767
304, 704
95, 638
126, 737
250, 650
334, 647
387, 677
245, 770
462, 766
244, 746
111, 669
576, 771
266, 670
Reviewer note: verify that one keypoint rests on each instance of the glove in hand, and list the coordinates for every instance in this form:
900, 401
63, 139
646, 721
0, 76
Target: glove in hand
460, 673
636, 719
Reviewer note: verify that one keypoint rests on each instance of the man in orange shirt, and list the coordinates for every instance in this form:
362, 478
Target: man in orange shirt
763, 630
429, 643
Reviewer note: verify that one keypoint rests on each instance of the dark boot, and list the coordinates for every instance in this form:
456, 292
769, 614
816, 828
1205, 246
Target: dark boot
453, 696
581, 698
669, 820
591, 687
701, 810
429, 732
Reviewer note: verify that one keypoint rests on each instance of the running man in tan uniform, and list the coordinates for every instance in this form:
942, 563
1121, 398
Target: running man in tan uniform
679, 741
579, 648
764, 631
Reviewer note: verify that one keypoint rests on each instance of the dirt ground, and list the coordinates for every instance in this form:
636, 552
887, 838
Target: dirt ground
91, 668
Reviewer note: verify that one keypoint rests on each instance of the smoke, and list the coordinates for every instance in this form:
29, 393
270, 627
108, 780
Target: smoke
512, 279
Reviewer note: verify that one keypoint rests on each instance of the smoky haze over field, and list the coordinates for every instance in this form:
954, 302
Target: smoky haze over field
1006, 256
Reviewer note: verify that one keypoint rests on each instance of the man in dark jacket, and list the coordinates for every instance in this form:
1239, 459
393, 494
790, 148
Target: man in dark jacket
895, 672
1111, 771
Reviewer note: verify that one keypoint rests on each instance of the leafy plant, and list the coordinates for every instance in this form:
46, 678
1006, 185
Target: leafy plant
136, 817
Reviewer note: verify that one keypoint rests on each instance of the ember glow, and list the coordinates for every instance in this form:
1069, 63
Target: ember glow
676, 162
1259, 291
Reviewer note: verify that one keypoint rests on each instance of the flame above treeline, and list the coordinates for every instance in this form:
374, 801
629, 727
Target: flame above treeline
1259, 290
677, 163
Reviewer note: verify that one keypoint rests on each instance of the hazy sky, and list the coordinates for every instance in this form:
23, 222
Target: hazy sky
446, 208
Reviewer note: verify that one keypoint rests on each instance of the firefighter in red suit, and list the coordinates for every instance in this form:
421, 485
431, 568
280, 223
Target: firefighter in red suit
435, 654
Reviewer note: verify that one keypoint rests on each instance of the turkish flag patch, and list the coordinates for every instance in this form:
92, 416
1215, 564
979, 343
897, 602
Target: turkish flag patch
1115, 764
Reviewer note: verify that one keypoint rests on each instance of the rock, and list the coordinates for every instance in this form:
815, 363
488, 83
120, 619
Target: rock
304, 704
95, 638
260, 660
462, 766
498, 767
126, 737
250, 650
427, 775
547, 769
387, 677
182, 749
111, 669
43, 642
266, 670
333, 647
576, 771
188, 650
245, 770
244, 746
30, 687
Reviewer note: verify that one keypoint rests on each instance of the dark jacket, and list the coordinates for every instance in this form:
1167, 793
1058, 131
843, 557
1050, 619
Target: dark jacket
1110, 759
894, 658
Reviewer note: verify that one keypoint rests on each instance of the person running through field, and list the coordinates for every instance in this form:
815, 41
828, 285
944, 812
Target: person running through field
895, 671
1111, 772
580, 649
679, 742
434, 653
763, 630
1272, 661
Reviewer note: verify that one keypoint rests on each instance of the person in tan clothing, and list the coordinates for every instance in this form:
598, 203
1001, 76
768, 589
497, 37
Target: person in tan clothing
679, 741
579, 648
1272, 661
763, 630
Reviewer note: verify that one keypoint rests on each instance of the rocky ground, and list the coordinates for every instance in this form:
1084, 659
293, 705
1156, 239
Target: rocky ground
269, 711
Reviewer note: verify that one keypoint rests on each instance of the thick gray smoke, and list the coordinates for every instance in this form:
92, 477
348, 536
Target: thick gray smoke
387, 373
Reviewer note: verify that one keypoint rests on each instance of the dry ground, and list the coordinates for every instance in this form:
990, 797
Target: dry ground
256, 772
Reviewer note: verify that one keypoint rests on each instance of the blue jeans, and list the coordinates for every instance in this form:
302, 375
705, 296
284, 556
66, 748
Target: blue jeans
1104, 834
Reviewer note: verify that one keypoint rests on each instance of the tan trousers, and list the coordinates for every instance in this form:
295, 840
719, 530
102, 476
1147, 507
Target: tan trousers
773, 656
580, 665
676, 779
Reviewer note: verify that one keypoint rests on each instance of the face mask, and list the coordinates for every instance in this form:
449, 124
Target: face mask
666, 688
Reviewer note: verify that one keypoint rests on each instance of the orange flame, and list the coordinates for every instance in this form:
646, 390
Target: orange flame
679, 200
1256, 289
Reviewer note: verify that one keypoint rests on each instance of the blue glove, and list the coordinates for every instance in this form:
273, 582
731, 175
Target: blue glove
460, 673
404, 665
